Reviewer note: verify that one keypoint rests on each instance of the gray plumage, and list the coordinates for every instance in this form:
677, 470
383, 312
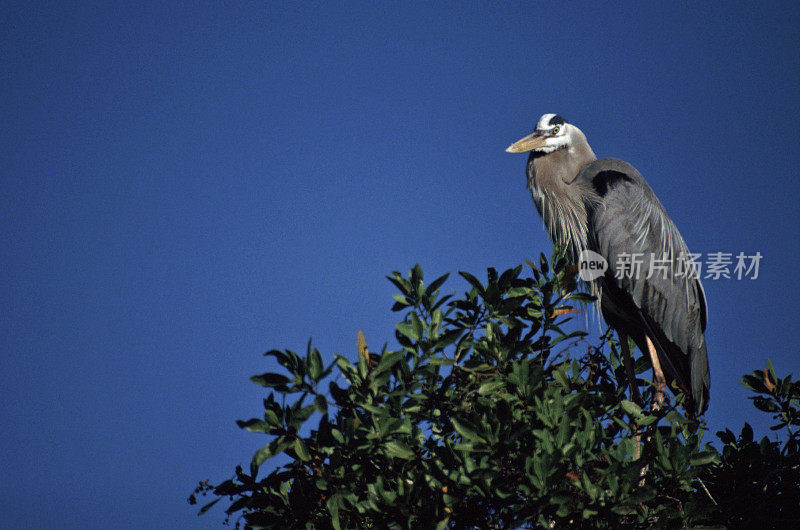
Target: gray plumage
606, 206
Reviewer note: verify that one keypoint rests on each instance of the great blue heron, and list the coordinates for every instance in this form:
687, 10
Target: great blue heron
648, 292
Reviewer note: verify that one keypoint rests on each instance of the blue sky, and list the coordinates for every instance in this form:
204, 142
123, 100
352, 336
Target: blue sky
187, 186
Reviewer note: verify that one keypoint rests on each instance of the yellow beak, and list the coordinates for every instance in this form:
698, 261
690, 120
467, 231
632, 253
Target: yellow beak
529, 143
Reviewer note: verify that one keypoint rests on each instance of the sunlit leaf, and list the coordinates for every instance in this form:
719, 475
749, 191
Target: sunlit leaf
273, 380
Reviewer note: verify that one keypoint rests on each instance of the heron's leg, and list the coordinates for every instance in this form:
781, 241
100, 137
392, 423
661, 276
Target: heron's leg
661, 384
658, 375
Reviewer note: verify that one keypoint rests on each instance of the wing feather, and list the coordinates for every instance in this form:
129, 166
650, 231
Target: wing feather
628, 222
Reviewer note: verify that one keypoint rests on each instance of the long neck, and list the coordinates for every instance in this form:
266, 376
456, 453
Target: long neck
562, 200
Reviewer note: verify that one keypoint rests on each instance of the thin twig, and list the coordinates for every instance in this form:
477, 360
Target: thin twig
702, 484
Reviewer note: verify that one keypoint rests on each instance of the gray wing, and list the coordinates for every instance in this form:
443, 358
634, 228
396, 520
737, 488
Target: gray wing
628, 221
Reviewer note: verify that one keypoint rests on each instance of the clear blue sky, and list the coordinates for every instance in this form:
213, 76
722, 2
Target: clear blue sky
184, 188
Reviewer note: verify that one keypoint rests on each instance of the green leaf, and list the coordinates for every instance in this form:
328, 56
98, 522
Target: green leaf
344, 364
402, 300
416, 275
273, 380
398, 449
388, 360
434, 286
466, 431
449, 337
472, 447
631, 408
301, 451
473, 281
314, 364
704, 457
771, 369
407, 330
400, 282
416, 324
273, 448
333, 504
561, 376
253, 425
766, 405
374, 409
747, 433
490, 386
519, 291
337, 435
340, 395
646, 420
271, 417
321, 403
208, 506
508, 276
297, 414
436, 318
583, 298
440, 361
281, 357
753, 383
543, 263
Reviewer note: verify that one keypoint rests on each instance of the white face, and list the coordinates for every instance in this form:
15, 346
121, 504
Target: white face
556, 131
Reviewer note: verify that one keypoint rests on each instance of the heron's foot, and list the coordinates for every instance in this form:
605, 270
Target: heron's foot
658, 398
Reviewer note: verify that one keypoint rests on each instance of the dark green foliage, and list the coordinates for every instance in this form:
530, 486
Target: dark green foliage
490, 415
757, 483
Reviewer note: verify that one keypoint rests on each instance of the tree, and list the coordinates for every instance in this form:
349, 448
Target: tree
492, 415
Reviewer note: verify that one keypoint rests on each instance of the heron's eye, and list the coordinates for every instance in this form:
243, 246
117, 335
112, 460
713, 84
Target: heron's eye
555, 130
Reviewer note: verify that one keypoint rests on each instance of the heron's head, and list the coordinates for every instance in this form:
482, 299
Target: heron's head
552, 133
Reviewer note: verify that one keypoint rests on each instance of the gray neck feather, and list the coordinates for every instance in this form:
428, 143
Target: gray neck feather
561, 200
